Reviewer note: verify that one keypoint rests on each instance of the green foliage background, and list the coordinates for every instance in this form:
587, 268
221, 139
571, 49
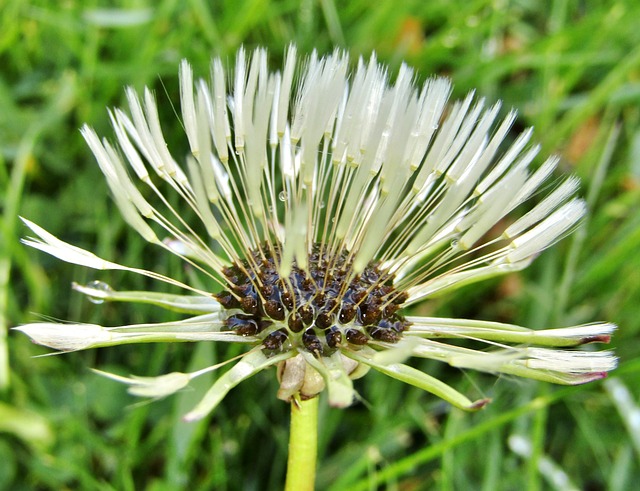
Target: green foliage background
572, 69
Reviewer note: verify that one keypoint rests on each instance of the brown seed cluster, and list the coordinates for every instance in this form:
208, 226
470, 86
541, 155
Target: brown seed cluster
320, 308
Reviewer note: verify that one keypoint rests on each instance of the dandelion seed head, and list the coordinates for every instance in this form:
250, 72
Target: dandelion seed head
323, 202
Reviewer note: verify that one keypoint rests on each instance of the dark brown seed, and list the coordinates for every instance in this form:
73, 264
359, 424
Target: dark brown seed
333, 337
311, 341
274, 309
370, 315
306, 313
389, 310
401, 325
384, 290
247, 328
295, 323
228, 301
347, 313
275, 340
401, 298
356, 337
359, 295
287, 300
386, 335
319, 299
324, 320
249, 305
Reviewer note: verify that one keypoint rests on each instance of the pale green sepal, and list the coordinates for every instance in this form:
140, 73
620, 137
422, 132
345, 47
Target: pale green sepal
339, 385
50, 244
550, 376
155, 387
434, 327
188, 304
200, 328
563, 367
75, 337
548, 365
170, 337
396, 352
211, 323
250, 364
66, 337
419, 379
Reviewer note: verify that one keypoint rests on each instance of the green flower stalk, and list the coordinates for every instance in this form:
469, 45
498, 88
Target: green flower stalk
328, 201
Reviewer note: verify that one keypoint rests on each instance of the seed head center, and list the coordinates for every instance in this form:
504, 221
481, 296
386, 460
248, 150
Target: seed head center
317, 309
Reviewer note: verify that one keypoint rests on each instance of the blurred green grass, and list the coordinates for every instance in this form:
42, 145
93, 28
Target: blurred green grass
572, 69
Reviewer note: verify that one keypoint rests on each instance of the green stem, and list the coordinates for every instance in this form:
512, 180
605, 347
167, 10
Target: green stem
303, 443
